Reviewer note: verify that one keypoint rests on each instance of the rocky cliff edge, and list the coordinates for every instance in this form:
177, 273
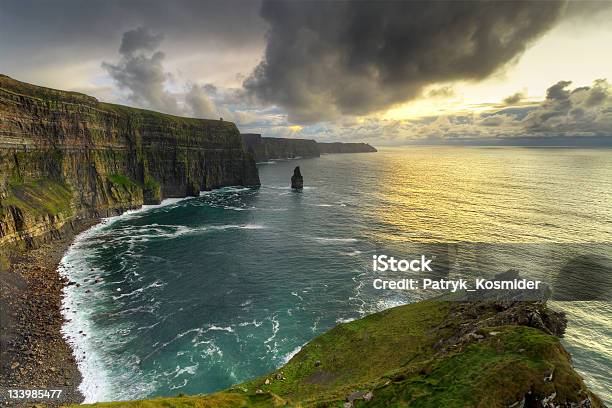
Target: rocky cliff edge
67, 156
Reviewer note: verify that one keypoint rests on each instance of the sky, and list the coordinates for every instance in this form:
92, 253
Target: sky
388, 73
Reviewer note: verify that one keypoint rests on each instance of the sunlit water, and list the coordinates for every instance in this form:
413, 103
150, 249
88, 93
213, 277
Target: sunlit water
204, 293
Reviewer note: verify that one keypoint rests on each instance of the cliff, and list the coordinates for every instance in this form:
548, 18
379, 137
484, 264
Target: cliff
66, 156
267, 148
428, 354
334, 148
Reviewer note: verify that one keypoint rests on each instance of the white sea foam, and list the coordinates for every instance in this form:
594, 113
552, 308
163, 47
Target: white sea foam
270, 344
96, 384
136, 234
229, 207
251, 323
219, 328
291, 354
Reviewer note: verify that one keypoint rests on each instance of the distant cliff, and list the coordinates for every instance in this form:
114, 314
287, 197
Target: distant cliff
332, 148
266, 148
65, 155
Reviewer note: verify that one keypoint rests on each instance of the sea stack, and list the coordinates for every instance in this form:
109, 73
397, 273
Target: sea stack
297, 182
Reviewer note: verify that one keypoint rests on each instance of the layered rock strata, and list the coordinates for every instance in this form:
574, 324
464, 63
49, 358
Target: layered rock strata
65, 155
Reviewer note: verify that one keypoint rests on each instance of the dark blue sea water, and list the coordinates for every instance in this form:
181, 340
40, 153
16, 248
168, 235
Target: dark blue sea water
199, 294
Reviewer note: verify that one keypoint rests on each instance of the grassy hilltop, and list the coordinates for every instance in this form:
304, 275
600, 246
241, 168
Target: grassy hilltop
428, 354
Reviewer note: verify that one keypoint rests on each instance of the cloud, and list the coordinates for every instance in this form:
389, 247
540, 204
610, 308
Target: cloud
199, 102
583, 110
208, 40
139, 39
557, 92
577, 116
514, 98
326, 59
140, 71
441, 92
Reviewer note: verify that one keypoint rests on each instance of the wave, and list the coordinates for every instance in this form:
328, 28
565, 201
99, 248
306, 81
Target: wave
273, 187
230, 189
273, 349
285, 359
135, 234
254, 323
229, 207
96, 384
335, 240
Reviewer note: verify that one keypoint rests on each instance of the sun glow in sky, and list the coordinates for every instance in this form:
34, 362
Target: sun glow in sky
571, 51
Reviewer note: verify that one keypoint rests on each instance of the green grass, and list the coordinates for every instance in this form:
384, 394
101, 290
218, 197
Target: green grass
394, 355
125, 190
121, 180
152, 191
219, 400
489, 373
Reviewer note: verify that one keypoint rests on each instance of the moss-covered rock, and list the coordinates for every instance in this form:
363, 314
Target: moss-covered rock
152, 191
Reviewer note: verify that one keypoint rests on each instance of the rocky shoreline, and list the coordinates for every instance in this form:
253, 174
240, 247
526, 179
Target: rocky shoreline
34, 355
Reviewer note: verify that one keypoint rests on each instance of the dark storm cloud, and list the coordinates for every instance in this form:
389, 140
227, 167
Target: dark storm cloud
324, 59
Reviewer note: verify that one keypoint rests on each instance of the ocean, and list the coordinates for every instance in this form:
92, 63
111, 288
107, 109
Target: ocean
198, 294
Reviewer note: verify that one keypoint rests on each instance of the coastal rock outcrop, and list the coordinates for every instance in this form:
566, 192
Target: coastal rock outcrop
297, 181
416, 355
66, 156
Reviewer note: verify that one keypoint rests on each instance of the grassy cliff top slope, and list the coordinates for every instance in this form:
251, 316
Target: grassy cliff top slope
427, 354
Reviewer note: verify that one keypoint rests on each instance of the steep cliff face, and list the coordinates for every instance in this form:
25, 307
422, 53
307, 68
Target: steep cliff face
64, 155
266, 148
